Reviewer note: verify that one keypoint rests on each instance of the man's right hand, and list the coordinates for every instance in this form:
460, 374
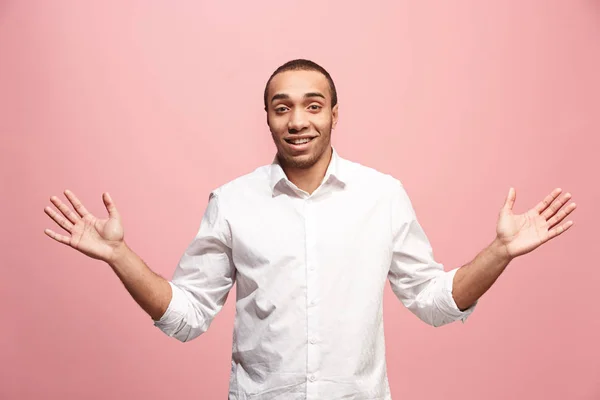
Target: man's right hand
101, 239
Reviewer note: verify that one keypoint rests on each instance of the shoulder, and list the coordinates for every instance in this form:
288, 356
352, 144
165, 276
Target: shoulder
369, 178
244, 186
378, 185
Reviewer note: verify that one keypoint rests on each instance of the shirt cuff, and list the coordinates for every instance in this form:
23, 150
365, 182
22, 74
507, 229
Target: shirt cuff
170, 320
448, 300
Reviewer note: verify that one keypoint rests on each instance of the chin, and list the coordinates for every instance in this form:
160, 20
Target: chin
302, 161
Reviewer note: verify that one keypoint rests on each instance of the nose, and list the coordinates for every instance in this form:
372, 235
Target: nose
298, 121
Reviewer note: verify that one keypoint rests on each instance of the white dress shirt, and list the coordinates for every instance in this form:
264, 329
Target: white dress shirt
310, 271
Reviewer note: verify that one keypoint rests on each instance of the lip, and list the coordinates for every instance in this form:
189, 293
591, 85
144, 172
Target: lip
300, 147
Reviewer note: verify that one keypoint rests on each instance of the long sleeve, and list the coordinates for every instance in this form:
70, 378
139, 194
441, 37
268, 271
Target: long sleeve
418, 281
203, 278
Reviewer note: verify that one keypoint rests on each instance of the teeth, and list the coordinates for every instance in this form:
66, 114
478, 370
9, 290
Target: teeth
300, 141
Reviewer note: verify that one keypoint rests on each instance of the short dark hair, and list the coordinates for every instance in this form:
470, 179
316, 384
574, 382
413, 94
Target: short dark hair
303, 65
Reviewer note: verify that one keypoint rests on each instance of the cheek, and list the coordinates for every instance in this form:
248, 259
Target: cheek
323, 122
277, 125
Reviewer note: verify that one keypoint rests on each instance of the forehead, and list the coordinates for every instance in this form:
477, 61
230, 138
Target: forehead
296, 83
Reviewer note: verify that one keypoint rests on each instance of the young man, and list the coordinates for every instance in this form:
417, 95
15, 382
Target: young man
311, 241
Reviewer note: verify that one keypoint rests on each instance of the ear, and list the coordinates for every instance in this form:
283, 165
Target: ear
334, 116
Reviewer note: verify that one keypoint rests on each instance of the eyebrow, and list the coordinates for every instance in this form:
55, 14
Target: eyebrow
306, 95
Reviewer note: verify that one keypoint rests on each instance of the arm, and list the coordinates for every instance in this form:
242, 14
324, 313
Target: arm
516, 235
103, 239
150, 290
417, 280
183, 307
203, 278
472, 280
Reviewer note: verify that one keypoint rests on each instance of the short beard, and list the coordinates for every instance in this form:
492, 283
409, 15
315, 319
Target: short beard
294, 163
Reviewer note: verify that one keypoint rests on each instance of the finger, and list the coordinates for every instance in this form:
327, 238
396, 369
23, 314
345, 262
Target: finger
542, 205
57, 237
561, 215
559, 230
76, 203
71, 216
510, 199
63, 223
555, 206
110, 205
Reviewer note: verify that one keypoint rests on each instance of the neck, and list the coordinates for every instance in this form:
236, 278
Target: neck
309, 179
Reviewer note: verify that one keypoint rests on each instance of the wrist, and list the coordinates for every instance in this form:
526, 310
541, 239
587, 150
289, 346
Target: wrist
119, 253
500, 251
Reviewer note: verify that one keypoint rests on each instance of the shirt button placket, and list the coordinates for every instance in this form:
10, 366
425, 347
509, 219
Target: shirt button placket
311, 294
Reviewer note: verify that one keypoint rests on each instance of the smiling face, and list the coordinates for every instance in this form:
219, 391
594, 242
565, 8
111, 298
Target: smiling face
300, 117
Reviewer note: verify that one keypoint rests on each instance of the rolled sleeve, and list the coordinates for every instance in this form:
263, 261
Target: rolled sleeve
169, 322
446, 300
416, 279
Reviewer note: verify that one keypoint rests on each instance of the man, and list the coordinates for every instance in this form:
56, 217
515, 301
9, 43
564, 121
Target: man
311, 241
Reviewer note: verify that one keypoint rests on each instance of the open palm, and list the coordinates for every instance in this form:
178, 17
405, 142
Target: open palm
523, 233
94, 237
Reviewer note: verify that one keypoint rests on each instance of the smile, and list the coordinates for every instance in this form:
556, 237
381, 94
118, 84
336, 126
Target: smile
299, 141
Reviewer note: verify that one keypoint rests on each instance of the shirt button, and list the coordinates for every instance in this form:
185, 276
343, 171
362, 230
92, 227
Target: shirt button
312, 303
313, 341
312, 378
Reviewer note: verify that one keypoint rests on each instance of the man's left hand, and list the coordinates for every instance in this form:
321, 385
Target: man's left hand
523, 233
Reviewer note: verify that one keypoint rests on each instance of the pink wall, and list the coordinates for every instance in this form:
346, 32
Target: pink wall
158, 104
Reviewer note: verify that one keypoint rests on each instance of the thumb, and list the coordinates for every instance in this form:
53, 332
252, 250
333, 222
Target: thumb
110, 205
510, 199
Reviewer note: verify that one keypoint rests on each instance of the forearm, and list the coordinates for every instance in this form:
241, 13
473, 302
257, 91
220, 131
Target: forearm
151, 291
472, 280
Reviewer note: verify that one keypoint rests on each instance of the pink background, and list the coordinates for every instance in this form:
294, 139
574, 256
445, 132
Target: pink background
158, 104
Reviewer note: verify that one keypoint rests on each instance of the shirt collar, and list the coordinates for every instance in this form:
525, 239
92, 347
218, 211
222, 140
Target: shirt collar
335, 171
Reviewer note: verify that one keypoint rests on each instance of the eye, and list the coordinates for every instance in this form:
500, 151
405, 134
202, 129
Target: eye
280, 109
317, 107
